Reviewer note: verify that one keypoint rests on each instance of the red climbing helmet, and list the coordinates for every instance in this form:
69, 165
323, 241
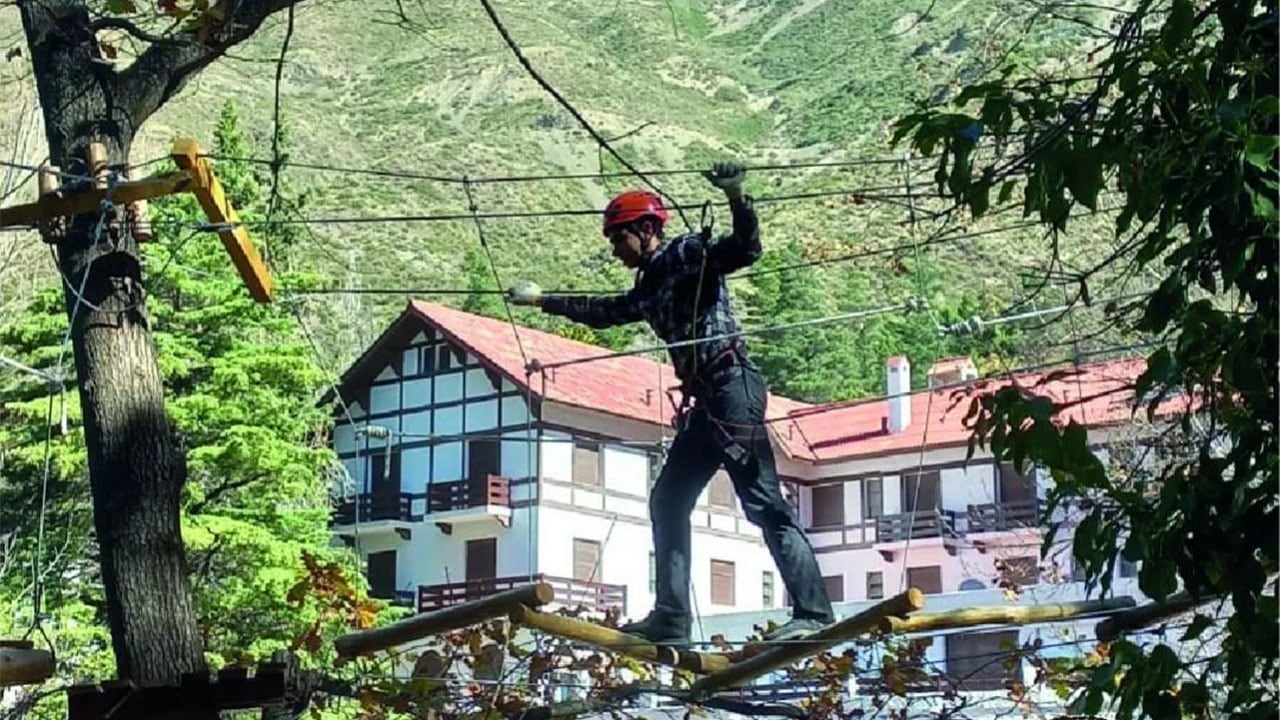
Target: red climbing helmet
630, 206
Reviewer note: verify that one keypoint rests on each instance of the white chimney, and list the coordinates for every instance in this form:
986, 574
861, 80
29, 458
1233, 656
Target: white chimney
898, 372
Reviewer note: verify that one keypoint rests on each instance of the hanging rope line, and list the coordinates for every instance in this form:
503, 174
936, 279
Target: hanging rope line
544, 177
537, 77
909, 305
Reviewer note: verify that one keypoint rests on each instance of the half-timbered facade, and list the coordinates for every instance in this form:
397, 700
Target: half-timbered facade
467, 473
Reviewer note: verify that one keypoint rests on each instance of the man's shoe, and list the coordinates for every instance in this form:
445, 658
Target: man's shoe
658, 630
794, 629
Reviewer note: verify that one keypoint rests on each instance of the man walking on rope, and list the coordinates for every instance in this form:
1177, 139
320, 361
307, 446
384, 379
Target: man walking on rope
728, 396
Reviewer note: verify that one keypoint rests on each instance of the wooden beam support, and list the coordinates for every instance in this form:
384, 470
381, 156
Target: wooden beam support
22, 664
785, 654
1001, 614
235, 238
610, 639
1146, 615
87, 201
233, 688
444, 620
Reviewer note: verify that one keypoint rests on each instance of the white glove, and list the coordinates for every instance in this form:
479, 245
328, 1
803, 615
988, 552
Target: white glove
525, 293
727, 176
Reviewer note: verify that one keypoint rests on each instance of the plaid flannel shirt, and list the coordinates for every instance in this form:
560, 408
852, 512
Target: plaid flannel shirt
666, 286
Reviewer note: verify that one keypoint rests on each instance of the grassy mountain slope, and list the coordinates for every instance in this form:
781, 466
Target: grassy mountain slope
764, 82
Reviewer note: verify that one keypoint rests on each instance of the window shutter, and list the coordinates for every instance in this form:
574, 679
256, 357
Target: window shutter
722, 581
586, 557
721, 492
875, 585
586, 464
928, 579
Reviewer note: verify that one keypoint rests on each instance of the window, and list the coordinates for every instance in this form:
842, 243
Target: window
828, 505
835, 587
483, 459
1014, 486
481, 559
981, 661
766, 589
1022, 571
872, 498
653, 573
720, 494
586, 464
920, 491
586, 560
875, 585
928, 579
382, 575
722, 581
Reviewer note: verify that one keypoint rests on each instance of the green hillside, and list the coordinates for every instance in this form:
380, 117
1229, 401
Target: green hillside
764, 82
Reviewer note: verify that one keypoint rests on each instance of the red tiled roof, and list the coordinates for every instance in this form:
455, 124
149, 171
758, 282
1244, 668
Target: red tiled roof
845, 431
629, 386
635, 387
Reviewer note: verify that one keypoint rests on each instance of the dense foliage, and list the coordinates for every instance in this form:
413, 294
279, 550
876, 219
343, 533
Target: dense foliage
1179, 115
240, 384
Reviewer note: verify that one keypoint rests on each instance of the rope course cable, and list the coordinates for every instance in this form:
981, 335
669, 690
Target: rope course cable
537, 77
544, 177
869, 194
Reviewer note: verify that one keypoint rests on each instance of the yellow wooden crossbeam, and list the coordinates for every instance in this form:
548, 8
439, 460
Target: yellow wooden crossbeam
195, 175
87, 201
235, 238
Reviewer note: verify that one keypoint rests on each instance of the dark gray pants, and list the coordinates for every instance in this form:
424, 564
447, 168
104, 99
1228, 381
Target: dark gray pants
735, 397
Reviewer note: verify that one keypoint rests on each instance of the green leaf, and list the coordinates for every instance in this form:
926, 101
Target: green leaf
121, 7
1264, 206
1198, 625
1260, 151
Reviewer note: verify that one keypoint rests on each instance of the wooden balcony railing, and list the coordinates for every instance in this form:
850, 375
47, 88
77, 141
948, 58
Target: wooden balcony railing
997, 517
475, 492
377, 506
595, 596
921, 524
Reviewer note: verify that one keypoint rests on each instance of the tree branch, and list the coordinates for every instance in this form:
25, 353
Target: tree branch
223, 489
118, 23
163, 69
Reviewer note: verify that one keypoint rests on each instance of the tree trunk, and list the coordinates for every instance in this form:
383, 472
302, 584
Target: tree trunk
135, 474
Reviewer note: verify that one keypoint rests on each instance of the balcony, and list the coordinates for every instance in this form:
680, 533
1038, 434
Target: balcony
923, 527
376, 513
595, 597
1005, 516
481, 498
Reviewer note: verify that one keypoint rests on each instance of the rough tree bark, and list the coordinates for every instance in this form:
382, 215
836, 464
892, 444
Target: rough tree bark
135, 473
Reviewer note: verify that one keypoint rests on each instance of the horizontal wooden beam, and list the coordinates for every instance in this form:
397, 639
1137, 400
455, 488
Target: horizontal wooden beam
783, 655
610, 639
1002, 615
89, 200
235, 238
444, 620
197, 694
1146, 615
23, 664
